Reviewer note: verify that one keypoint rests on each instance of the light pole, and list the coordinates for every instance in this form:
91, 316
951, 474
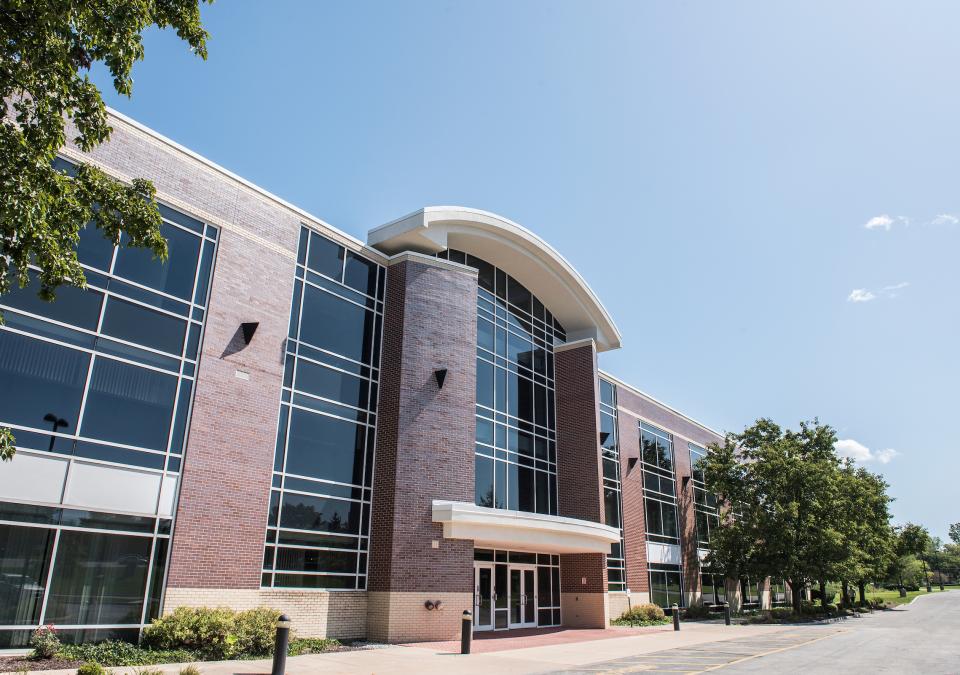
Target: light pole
57, 422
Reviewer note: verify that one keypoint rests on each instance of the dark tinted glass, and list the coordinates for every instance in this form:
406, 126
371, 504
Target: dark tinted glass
484, 383
484, 481
130, 405
336, 325
156, 578
94, 249
360, 274
518, 294
325, 257
135, 323
314, 581
175, 276
24, 556
98, 579
325, 447
329, 383
41, 384
303, 512
302, 560
74, 306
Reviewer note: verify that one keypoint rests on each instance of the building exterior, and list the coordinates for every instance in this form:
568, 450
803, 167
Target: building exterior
282, 415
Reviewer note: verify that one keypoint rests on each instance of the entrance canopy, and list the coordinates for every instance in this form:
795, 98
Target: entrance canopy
519, 530
514, 249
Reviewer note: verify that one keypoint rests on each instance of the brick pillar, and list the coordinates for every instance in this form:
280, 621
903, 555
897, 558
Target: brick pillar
583, 576
690, 562
225, 484
425, 439
631, 495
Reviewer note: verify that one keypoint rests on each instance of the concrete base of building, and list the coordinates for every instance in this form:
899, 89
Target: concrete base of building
394, 616
315, 613
619, 602
584, 610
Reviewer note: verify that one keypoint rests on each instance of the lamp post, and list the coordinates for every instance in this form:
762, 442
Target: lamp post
58, 423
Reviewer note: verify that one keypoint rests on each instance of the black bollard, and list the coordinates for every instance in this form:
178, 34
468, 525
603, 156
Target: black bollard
466, 632
280, 645
676, 616
726, 613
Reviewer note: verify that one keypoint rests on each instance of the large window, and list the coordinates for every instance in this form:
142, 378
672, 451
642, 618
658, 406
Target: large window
319, 521
659, 485
105, 374
516, 450
665, 585
705, 503
612, 502
78, 570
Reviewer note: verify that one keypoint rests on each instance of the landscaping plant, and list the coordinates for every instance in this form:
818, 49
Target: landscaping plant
45, 642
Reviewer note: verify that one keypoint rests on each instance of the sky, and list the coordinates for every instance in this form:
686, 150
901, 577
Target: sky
763, 194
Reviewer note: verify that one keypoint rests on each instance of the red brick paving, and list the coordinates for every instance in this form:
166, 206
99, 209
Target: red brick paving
522, 638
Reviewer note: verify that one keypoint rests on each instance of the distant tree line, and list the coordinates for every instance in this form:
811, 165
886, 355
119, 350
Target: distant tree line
791, 508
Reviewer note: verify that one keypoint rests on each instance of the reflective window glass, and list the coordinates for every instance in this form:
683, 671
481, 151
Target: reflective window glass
24, 557
360, 274
130, 405
74, 306
135, 323
333, 384
325, 256
41, 384
336, 325
98, 579
175, 276
325, 447
305, 512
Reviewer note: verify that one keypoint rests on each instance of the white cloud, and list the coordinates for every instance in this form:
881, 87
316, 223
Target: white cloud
883, 222
861, 295
894, 291
945, 219
857, 451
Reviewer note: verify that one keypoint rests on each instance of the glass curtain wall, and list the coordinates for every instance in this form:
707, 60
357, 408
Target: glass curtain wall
705, 504
104, 374
516, 451
319, 522
612, 502
660, 507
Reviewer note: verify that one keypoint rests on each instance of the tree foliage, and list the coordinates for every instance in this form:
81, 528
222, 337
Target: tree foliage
791, 508
47, 48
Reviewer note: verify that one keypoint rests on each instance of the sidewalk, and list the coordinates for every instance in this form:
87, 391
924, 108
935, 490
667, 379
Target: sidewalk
414, 659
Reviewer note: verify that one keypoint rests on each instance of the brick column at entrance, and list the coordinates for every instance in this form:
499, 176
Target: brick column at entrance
425, 439
583, 576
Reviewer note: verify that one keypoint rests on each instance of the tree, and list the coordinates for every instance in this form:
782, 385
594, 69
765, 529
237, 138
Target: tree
46, 49
864, 518
909, 545
955, 533
777, 490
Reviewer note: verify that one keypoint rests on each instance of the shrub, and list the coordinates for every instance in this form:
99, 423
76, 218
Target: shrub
697, 612
92, 668
642, 615
148, 671
299, 646
215, 633
113, 653
45, 642
189, 670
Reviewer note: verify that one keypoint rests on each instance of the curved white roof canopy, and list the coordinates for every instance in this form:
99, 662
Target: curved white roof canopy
514, 249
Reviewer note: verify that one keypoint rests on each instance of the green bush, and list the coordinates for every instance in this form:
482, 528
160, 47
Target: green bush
215, 633
113, 653
45, 642
697, 612
642, 615
299, 646
92, 668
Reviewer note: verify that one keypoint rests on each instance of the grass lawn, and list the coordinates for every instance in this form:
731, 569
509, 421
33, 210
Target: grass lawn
893, 597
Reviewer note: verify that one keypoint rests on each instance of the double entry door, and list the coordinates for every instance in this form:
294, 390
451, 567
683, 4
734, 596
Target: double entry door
504, 596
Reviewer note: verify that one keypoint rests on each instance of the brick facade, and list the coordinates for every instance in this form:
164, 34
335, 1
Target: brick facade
583, 576
425, 451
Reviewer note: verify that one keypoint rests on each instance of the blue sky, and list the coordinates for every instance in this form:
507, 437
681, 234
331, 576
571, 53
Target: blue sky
709, 168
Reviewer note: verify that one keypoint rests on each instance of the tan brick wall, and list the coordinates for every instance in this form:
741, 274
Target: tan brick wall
584, 610
617, 604
395, 616
337, 614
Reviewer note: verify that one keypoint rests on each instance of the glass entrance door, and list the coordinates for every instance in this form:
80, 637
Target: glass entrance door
483, 597
523, 599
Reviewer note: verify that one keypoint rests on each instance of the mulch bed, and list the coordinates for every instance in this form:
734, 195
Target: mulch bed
13, 664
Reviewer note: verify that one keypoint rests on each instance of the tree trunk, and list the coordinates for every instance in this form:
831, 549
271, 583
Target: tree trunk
795, 592
845, 602
863, 592
823, 593
903, 591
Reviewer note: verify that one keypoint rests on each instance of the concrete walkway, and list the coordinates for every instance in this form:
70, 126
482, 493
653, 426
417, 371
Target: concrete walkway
539, 659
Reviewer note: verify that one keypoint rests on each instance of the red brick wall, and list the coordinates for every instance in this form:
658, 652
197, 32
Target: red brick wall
631, 407
579, 468
425, 435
